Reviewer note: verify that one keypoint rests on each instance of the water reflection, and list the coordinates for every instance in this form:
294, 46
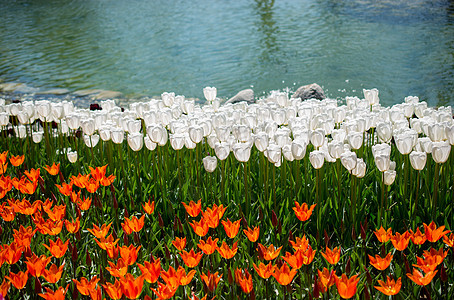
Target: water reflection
268, 31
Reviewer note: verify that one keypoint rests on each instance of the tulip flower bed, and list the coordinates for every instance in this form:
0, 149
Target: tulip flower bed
282, 199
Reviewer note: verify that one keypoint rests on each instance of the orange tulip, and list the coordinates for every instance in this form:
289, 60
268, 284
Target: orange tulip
433, 233
164, 291
211, 280
400, 241
23, 236
438, 256
113, 290
179, 243
80, 181
36, 265
119, 269
390, 287
346, 287
185, 279
231, 228
209, 246
148, 207
3, 157
129, 254
244, 280
50, 227
381, 263
53, 274
326, 279
19, 280
307, 255
25, 186
191, 259
58, 248
109, 245
132, 287
8, 214
264, 271
449, 240
302, 212
65, 189
252, 234
300, 243
12, 253
96, 293
33, 174
57, 213
53, 170
227, 252
269, 253
171, 277
151, 271
200, 228
100, 232
25, 207
332, 256
383, 235
193, 209
17, 160
294, 260
92, 185
426, 265
284, 275
73, 226
84, 204
59, 294
420, 279
84, 286
418, 238
4, 287
211, 216
98, 173
106, 181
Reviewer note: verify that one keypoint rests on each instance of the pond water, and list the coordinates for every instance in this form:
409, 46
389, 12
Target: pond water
143, 47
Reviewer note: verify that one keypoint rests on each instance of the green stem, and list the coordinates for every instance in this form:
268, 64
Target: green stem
435, 196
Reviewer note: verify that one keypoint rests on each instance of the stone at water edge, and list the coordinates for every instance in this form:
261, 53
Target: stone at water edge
87, 92
310, 91
53, 92
244, 95
16, 87
107, 95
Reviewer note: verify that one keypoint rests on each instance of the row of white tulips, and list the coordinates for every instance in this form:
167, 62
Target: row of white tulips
279, 126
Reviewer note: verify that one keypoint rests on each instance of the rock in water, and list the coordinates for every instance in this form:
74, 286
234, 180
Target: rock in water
244, 95
310, 91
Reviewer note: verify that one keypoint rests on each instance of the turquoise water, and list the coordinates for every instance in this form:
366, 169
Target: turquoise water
146, 47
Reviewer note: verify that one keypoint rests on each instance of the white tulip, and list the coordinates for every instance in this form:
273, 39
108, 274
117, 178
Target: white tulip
287, 152
4, 119
104, 133
88, 126
404, 143
135, 141
360, 169
318, 137
196, 133
317, 158
72, 156
43, 108
117, 135
177, 140
73, 121
210, 93
210, 163
91, 140
382, 162
384, 131
348, 160
381, 149
37, 136
20, 131
23, 118
242, 151
355, 139
440, 151
222, 150
273, 153
371, 96
298, 148
168, 98
149, 143
449, 131
261, 141
389, 177
418, 160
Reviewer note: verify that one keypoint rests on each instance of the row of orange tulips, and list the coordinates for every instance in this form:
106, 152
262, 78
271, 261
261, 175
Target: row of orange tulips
104, 254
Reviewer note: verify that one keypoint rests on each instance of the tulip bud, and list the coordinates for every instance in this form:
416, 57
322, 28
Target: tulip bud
363, 230
136, 238
38, 287
326, 238
160, 221
443, 275
274, 219
229, 276
316, 287
353, 232
260, 214
368, 276
74, 254
78, 235
243, 221
366, 293
260, 253
407, 265
167, 252
87, 259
